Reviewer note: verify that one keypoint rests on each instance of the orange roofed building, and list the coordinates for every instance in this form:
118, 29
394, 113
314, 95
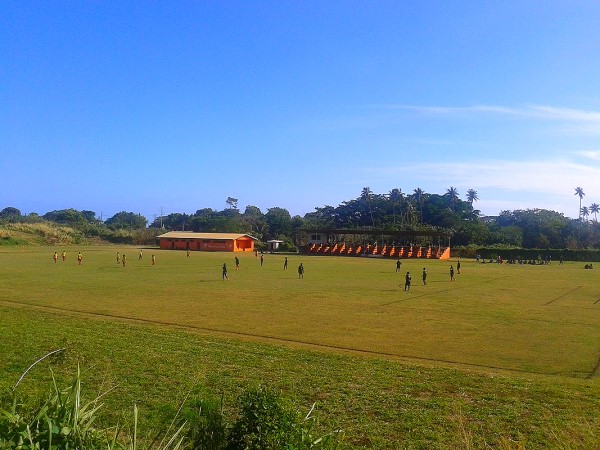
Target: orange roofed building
206, 242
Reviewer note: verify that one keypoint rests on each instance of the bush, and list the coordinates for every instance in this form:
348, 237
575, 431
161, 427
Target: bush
63, 420
206, 428
288, 246
267, 422
533, 253
264, 422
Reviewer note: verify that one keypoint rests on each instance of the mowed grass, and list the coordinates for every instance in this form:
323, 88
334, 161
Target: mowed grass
503, 352
539, 319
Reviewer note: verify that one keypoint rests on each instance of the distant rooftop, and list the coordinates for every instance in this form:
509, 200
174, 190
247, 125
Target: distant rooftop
192, 235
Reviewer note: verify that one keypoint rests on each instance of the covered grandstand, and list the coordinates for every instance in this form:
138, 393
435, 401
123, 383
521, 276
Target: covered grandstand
433, 244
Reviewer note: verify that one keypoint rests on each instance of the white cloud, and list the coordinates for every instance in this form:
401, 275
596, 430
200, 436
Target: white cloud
513, 185
529, 111
570, 121
590, 154
546, 176
547, 179
566, 114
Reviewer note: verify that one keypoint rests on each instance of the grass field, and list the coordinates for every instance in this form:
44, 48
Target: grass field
504, 352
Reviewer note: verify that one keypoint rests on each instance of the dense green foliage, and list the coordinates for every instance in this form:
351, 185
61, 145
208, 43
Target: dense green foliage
394, 211
531, 254
126, 220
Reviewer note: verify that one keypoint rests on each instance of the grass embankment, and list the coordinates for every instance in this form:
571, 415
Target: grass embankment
28, 234
49, 233
504, 352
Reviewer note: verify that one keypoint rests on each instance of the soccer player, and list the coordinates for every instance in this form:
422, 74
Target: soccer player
407, 280
424, 276
79, 258
55, 257
237, 263
300, 271
224, 274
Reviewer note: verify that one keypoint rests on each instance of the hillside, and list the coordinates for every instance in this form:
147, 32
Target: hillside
25, 234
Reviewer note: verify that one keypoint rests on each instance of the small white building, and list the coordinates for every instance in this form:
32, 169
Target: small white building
273, 245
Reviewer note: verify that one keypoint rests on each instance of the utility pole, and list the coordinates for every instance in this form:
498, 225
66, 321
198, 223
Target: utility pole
161, 215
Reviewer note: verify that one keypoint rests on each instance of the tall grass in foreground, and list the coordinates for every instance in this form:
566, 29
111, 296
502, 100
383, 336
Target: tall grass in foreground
60, 421
64, 420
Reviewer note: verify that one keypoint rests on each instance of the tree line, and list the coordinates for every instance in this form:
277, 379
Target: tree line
392, 211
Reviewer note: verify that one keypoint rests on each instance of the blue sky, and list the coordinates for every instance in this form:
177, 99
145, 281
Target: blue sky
118, 105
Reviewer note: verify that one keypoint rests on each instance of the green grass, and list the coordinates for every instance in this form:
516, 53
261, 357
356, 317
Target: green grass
504, 352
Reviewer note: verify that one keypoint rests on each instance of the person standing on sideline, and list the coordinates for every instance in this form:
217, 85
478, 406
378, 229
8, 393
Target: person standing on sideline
300, 271
237, 263
262, 259
398, 265
79, 258
64, 256
458, 266
451, 273
153, 259
285, 263
424, 276
55, 257
407, 279
224, 274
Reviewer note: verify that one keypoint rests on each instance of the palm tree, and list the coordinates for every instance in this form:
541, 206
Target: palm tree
452, 194
410, 212
579, 192
584, 212
595, 209
366, 194
472, 196
395, 197
419, 196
